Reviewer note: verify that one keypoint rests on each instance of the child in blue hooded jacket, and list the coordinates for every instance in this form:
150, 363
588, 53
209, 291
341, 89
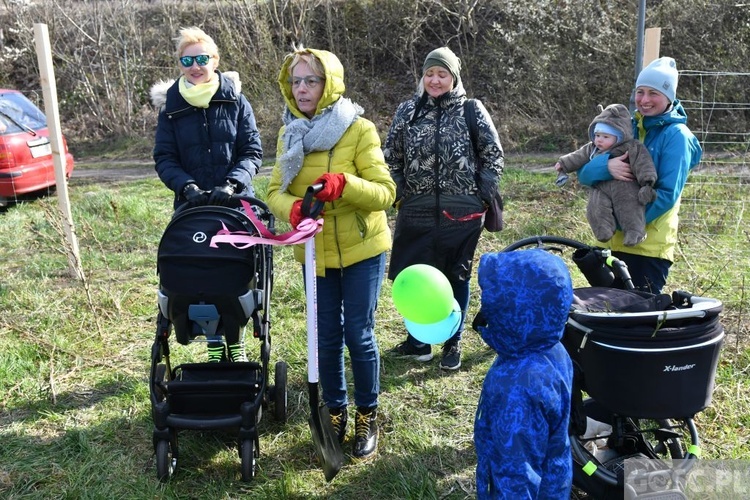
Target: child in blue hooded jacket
521, 424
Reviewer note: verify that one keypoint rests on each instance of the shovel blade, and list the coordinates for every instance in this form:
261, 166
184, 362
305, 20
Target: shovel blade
327, 445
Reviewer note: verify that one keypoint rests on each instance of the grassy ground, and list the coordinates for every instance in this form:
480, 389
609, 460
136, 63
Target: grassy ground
75, 417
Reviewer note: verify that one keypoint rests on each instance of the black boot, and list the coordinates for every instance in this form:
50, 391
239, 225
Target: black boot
365, 432
338, 420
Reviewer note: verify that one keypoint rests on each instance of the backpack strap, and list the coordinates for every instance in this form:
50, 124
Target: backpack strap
470, 114
418, 107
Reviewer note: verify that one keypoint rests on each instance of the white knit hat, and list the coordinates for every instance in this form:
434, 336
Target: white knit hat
660, 75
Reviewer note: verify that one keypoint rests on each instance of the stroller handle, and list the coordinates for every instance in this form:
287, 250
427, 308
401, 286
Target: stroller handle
542, 240
593, 262
235, 201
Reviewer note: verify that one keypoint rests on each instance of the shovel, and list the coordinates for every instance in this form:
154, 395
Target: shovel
326, 442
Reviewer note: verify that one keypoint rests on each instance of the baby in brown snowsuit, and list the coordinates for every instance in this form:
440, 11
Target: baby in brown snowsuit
615, 202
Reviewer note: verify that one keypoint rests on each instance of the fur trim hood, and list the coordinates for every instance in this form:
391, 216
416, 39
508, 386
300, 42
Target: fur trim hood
158, 92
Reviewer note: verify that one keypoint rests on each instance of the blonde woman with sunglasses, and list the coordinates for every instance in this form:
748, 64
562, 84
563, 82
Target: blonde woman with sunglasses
207, 146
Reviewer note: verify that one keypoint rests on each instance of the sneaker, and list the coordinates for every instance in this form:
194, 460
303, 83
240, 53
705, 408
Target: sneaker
216, 353
365, 432
338, 420
237, 352
451, 356
408, 350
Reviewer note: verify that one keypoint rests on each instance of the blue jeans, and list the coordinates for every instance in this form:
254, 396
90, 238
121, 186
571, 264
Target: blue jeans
347, 300
461, 294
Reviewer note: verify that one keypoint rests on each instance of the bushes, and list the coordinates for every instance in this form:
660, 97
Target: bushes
541, 67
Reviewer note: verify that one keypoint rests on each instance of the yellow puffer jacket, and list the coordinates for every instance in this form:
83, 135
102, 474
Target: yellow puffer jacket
355, 226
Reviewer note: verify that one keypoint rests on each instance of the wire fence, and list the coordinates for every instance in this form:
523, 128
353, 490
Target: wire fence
714, 254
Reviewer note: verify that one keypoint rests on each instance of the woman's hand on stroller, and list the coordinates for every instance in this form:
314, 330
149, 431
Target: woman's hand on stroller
194, 195
220, 194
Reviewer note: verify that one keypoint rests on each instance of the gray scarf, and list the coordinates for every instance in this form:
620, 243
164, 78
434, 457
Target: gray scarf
321, 133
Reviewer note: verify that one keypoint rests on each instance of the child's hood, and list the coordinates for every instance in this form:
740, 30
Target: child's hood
526, 297
617, 116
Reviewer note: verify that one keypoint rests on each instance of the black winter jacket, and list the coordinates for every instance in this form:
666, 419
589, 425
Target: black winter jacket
206, 146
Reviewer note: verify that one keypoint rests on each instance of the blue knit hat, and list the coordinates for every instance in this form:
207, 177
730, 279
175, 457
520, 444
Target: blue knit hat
604, 128
660, 75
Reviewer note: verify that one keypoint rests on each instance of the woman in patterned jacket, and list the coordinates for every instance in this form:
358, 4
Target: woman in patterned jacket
442, 187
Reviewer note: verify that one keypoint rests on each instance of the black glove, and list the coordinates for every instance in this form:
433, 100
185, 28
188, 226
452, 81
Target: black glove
194, 195
220, 194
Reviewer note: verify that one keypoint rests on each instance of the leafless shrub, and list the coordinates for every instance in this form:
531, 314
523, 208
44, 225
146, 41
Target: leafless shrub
541, 67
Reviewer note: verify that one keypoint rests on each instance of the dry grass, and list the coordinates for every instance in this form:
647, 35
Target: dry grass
75, 418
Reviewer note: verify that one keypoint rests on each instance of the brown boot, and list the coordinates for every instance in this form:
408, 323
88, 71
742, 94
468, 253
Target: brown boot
365, 432
338, 420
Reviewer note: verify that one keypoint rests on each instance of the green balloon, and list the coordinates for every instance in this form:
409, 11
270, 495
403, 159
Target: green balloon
422, 294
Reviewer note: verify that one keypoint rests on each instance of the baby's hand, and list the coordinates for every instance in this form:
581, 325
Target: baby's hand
558, 167
561, 180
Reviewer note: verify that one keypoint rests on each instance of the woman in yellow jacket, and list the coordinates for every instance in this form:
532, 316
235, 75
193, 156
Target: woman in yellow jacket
325, 139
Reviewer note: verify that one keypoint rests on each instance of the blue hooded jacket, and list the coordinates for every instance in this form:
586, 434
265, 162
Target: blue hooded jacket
521, 424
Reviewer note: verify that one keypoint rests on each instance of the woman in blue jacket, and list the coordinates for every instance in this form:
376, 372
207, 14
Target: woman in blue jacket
660, 123
207, 144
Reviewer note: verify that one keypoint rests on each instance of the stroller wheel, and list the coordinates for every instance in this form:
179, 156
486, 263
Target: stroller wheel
247, 457
165, 461
280, 392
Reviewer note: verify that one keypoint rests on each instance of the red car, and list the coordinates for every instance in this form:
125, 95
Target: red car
25, 149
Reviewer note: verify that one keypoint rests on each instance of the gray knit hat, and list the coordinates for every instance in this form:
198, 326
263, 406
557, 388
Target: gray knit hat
445, 58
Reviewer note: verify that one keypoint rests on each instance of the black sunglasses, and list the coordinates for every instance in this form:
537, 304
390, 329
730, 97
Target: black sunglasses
201, 59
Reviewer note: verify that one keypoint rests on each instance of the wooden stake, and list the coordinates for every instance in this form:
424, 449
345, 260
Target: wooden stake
652, 44
49, 90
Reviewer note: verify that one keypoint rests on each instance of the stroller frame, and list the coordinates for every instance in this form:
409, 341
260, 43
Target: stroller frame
213, 396
640, 429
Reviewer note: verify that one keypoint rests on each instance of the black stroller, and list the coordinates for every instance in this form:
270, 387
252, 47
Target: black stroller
210, 293
644, 365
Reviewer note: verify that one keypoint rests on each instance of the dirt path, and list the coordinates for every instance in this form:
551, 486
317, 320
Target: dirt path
97, 170
120, 170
